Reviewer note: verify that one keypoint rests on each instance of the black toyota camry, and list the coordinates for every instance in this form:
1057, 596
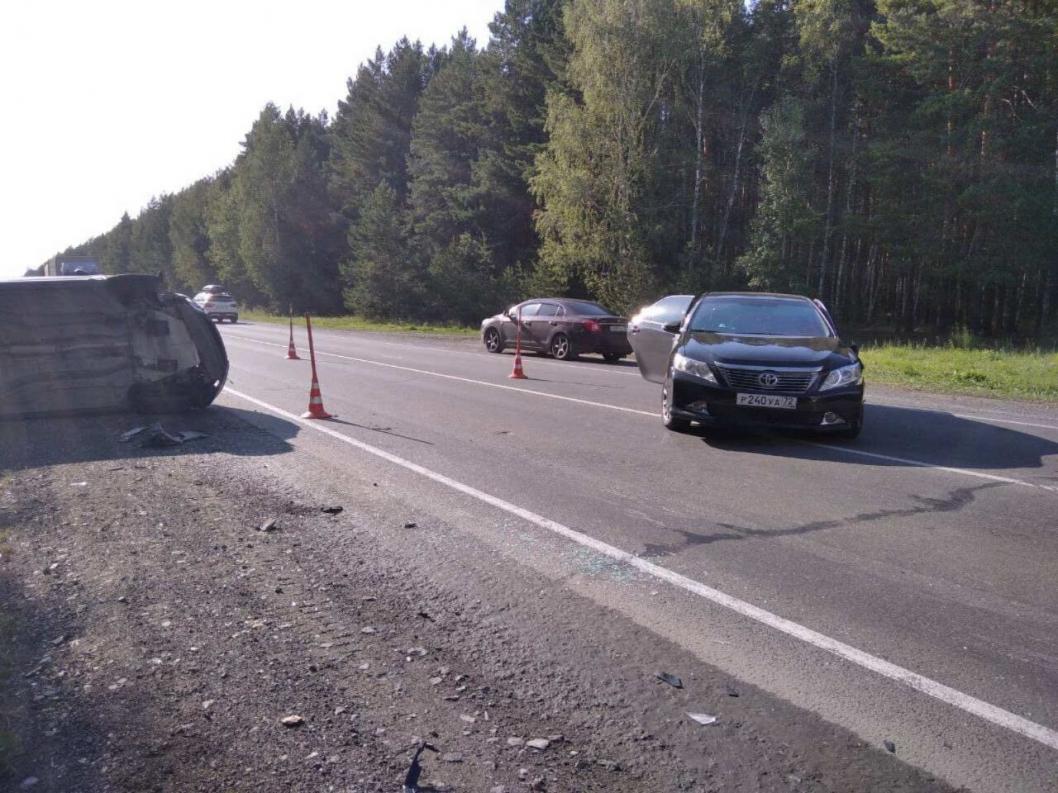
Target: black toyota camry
743, 358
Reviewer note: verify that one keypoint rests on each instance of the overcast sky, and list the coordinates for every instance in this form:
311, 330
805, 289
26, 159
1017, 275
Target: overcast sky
106, 103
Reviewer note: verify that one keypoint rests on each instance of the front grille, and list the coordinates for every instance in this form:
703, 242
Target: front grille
788, 381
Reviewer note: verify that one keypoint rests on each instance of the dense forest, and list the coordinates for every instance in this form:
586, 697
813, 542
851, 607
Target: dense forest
896, 158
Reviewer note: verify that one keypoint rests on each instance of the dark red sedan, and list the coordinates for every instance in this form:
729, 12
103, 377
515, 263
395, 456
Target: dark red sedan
560, 326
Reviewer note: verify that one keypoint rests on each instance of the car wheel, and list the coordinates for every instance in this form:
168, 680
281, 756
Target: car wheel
671, 422
562, 347
853, 430
612, 357
493, 340
234, 320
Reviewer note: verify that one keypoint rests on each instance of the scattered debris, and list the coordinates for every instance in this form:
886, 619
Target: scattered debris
426, 616
332, 510
515, 741
128, 436
890, 747
28, 782
452, 757
703, 718
58, 640
410, 525
540, 744
368, 630
411, 781
292, 721
75, 484
269, 525
672, 680
156, 436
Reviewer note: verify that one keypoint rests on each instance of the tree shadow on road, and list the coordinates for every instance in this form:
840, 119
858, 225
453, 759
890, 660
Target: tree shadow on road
40, 442
899, 436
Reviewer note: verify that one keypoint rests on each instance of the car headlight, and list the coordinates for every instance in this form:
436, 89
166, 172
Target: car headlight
699, 369
846, 375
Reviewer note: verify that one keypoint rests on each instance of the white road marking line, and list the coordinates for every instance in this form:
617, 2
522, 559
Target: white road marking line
920, 464
829, 447
1003, 421
932, 688
971, 416
486, 383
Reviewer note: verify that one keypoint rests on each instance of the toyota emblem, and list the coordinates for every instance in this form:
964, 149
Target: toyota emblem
768, 379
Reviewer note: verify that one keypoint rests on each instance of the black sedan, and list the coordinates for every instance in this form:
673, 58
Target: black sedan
742, 358
560, 326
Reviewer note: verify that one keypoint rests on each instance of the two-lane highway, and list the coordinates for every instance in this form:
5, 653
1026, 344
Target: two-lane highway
923, 556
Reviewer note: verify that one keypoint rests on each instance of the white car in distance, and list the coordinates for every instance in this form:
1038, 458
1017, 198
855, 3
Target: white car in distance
218, 304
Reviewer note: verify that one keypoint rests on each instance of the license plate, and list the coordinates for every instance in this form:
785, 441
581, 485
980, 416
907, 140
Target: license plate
618, 328
767, 401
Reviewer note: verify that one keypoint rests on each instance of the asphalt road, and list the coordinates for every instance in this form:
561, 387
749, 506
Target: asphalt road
902, 585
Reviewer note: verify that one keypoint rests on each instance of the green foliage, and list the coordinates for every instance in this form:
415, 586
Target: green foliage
895, 158
380, 282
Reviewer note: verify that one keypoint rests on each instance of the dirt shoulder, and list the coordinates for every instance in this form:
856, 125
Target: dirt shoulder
159, 638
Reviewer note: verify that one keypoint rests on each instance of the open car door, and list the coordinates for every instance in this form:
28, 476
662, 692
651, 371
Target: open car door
650, 341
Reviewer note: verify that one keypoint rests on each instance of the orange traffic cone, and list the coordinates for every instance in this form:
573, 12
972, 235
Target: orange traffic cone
517, 374
292, 353
316, 409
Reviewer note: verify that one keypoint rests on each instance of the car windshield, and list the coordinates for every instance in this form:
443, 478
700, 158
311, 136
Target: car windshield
588, 309
758, 316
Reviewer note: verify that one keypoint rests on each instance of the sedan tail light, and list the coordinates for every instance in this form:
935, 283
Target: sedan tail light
591, 326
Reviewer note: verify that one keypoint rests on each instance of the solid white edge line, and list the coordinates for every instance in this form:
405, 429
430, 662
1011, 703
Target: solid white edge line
829, 447
932, 688
920, 464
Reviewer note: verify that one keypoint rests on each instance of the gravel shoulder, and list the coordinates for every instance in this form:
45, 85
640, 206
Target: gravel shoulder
160, 638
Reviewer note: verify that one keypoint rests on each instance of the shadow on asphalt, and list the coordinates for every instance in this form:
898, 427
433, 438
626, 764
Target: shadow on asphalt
929, 437
39, 442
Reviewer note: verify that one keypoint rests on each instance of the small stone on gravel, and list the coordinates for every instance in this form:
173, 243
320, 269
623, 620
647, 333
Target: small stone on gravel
540, 744
292, 721
268, 525
368, 630
452, 757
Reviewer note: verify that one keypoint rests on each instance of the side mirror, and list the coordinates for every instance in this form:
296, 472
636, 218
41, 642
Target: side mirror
672, 327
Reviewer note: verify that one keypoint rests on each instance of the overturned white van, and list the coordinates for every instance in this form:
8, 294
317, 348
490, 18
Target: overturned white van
104, 343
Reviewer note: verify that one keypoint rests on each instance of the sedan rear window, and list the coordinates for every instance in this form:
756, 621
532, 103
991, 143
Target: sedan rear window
758, 316
587, 309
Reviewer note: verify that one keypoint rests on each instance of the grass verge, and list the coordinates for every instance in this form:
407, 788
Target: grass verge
359, 323
979, 372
